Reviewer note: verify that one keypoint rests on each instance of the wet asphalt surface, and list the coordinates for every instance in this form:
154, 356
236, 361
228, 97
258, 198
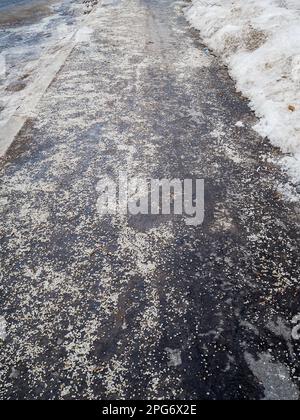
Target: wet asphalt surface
145, 307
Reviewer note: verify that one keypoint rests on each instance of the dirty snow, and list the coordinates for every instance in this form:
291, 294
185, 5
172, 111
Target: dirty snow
26, 47
259, 40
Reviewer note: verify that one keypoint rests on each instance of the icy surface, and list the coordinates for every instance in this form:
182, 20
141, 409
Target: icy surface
260, 42
24, 44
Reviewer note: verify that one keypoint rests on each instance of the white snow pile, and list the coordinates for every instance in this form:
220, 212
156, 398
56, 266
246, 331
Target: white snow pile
259, 40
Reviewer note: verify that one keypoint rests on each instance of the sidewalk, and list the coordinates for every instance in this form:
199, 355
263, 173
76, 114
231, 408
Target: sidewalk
145, 307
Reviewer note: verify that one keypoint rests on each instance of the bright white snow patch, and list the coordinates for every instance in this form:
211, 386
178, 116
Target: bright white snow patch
260, 42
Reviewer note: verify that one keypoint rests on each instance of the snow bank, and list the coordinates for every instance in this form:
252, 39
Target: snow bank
260, 42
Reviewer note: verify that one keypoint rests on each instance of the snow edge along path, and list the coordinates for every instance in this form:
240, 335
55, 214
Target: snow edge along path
259, 40
49, 65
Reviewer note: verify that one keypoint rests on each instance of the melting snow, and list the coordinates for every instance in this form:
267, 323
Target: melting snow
260, 42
